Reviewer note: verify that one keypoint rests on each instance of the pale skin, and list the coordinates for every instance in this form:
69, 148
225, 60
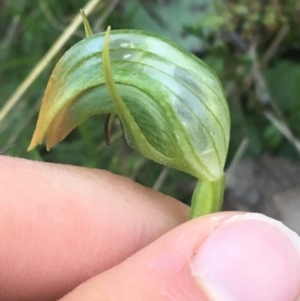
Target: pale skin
69, 233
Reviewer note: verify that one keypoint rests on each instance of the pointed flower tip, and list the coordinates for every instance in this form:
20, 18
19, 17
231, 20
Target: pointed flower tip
33, 143
31, 147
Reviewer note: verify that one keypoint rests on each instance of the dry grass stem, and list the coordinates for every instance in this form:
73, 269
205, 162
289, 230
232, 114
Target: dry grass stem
161, 178
236, 160
42, 64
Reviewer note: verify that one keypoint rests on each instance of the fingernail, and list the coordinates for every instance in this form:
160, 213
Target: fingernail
249, 257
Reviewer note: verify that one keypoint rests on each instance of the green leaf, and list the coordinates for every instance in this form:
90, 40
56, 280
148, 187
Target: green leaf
283, 81
272, 136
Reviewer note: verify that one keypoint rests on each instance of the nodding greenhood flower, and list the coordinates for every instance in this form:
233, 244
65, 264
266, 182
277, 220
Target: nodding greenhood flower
171, 104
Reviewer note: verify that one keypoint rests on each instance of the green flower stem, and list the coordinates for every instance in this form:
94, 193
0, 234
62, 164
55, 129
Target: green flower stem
207, 197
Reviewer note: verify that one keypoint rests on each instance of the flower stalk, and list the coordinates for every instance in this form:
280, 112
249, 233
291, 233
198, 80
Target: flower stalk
207, 197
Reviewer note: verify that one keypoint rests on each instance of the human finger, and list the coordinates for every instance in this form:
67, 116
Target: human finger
60, 225
220, 257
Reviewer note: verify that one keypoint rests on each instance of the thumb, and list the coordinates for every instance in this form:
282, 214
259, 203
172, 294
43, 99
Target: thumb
220, 257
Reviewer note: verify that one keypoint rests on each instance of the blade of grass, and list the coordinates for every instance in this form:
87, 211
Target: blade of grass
137, 170
284, 129
236, 160
161, 178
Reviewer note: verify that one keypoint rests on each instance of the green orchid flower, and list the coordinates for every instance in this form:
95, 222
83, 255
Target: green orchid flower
170, 103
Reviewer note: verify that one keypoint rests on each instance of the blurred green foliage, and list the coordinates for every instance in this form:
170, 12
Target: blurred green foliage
225, 34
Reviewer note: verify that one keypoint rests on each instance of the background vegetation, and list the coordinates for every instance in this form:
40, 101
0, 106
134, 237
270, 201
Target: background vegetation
253, 45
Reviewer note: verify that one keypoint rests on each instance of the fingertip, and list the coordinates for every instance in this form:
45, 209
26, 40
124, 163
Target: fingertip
249, 257
221, 257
